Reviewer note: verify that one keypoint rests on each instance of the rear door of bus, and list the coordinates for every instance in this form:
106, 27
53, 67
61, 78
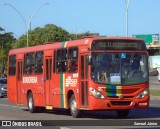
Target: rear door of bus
83, 81
48, 77
19, 81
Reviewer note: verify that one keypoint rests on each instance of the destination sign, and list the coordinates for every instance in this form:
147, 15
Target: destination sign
118, 45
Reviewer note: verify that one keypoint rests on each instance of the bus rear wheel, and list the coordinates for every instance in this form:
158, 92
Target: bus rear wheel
73, 107
30, 103
122, 113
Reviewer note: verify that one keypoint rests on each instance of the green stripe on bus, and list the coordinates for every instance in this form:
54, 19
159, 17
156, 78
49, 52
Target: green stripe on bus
61, 90
63, 44
109, 88
62, 82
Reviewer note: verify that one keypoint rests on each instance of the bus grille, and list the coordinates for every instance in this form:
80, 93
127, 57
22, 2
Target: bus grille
117, 97
121, 103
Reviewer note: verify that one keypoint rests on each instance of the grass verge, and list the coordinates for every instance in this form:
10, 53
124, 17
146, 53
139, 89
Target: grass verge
155, 92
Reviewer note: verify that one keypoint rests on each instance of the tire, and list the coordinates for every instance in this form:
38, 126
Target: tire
122, 113
30, 103
73, 110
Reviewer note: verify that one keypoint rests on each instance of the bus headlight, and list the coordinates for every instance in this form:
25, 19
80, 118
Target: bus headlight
143, 93
2, 88
96, 93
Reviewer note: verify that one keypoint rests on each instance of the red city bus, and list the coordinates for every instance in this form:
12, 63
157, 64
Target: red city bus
92, 73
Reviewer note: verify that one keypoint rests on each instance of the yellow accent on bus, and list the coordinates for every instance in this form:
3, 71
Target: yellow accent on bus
119, 90
49, 107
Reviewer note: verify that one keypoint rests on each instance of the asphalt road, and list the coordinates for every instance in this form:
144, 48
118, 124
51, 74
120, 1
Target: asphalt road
89, 120
9, 111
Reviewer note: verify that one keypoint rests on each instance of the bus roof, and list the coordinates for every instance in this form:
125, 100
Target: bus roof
71, 43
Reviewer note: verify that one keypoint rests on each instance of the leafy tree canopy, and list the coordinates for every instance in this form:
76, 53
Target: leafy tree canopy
6, 42
38, 36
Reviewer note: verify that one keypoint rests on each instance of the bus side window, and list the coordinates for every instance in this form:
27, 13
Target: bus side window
61, 60
58, 69
73, 60
39, 63
12, 65
29, 63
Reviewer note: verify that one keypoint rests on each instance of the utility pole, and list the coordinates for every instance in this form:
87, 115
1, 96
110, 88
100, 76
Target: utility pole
127, 5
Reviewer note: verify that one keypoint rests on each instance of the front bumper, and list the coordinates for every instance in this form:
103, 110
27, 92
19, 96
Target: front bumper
116, 104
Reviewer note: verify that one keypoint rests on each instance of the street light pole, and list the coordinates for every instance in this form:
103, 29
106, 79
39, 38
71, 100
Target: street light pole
127, 5
19, 15
30, 19
17, 12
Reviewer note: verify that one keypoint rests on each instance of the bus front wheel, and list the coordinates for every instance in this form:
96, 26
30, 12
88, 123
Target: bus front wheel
30, 103
73, 107
122, 113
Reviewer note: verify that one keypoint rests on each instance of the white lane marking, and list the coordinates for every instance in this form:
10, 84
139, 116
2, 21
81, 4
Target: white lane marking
64, 128
12, 106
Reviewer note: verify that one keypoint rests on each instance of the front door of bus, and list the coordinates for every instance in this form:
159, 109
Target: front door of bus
48, 76
19, 78
84, 81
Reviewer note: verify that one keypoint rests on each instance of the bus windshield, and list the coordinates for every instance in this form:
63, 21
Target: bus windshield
119, 68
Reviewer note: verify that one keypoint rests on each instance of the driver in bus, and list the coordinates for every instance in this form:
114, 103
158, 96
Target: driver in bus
136, 71
135, 64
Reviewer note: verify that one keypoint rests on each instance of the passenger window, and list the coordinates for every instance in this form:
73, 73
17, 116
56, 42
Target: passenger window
73, 60
12, 65
29, 63
39, 63
61, 61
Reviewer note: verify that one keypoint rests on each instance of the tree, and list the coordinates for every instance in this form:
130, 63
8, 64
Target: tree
6, 42
79, 36
1, 29
38, 36
49, 33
